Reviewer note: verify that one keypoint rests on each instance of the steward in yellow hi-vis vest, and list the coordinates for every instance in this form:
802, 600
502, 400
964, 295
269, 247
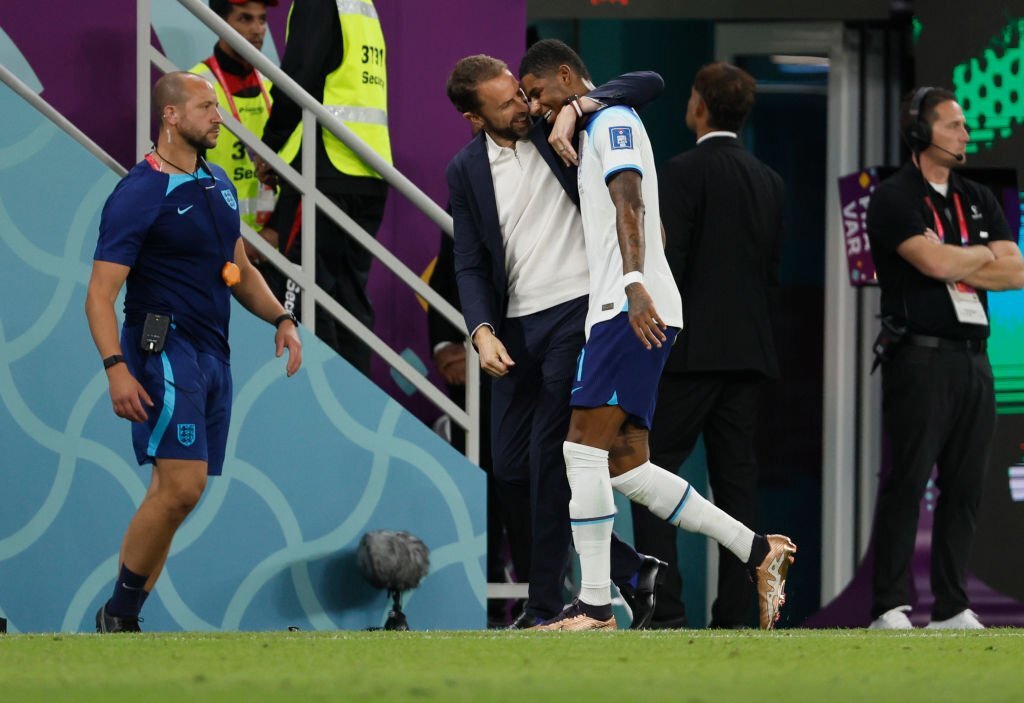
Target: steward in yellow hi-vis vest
255, 200
356, 92
245, 94
336, 53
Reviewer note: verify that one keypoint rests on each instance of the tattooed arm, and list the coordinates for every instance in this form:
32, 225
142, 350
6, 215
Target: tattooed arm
625, 191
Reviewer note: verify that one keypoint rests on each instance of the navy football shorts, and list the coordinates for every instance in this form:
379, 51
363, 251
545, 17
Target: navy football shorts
191, 392
614, 368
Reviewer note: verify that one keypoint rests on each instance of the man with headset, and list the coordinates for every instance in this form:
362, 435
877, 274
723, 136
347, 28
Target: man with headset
170, 230
940, 242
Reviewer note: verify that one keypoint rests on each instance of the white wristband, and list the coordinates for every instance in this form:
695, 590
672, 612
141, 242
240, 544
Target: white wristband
632, 277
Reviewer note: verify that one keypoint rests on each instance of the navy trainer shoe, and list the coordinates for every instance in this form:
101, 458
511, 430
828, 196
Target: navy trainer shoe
107, 623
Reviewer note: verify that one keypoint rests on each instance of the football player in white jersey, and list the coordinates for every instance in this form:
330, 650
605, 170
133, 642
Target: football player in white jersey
634, 316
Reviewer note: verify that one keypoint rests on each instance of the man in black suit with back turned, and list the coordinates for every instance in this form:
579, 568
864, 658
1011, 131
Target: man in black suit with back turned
722, 213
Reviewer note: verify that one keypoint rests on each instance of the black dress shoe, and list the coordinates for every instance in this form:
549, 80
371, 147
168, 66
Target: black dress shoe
525, 621
679, 623
642, 599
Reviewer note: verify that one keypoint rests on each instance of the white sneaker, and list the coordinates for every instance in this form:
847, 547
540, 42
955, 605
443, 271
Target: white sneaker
964, 620
895, 619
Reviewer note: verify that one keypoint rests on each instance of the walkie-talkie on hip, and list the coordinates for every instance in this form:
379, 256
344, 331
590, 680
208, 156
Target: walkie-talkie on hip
154, 332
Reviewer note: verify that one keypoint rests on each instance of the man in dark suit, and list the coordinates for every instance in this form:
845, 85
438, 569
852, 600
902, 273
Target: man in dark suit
722, 213
504, 519
522, 276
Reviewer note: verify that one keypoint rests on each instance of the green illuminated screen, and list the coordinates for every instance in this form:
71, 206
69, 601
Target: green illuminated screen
989, 88
985, 68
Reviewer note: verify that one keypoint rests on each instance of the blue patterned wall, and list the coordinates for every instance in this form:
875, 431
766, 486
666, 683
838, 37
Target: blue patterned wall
313, 461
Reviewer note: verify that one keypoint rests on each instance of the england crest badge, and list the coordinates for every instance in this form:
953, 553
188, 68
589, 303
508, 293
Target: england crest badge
186, 434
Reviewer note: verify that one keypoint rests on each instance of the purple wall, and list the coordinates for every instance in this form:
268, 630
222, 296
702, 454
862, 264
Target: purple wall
85, 60
86, 65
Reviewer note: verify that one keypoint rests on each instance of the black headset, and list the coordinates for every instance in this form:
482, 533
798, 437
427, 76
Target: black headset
918, 134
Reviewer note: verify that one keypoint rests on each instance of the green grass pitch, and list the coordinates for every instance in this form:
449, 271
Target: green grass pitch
695, 666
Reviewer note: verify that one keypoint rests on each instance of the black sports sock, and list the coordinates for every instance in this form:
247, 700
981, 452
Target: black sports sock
125, 603
758, 551
598, 612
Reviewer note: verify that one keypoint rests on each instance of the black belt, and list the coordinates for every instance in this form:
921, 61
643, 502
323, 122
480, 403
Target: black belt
924, 340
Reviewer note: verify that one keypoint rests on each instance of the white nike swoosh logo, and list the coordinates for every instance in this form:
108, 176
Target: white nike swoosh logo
183, 211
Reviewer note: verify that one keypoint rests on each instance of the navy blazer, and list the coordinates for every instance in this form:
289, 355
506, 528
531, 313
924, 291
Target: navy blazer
479, 249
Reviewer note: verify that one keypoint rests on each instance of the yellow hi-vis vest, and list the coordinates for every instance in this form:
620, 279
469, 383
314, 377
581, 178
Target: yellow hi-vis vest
232, 155
356, 92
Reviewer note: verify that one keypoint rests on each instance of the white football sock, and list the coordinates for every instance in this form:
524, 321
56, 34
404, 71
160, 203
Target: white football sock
672, 499
591, 513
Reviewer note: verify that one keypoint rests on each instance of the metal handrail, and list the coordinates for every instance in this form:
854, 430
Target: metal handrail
51, 113
306, 282
341, 218
314, 113
265, 249
371, 158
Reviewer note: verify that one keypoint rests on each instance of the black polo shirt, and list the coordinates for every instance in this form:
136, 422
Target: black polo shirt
899, 210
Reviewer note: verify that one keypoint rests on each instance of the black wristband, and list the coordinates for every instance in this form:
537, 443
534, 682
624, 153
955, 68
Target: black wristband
287, 316
113, 360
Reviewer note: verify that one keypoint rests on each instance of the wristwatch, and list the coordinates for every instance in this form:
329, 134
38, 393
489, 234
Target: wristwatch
286, 316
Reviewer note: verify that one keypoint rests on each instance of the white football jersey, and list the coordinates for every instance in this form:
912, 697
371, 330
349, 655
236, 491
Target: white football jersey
615, 140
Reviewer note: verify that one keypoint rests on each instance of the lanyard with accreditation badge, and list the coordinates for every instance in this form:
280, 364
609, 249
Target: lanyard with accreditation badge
265, 205
966, 302
218, 73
